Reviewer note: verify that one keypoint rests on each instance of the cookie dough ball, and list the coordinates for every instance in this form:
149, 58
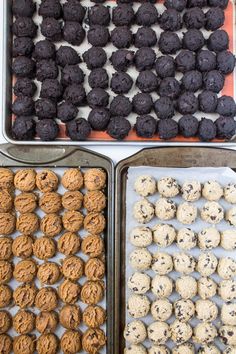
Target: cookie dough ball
227, 314
22, 246
145, 185
206, 288
168, 187
24, 295
184, 310
122, 59
99, 15
208, 101
23, 8
25, 271
187, 103
98, 36
48, 273
5, 248
226, 107
27, 223
22, 46
143, 211
98, 78
142, 103
5, 343
94, 223
228, 335
164, 108
46, 299
135, 348
120, 105
204, 333
7, 223
207, 130
162, 263
93, 340
71, 74
5, 321
186, 213
186, 287
121, 82
24, 322
24, 27
165, 66
228, 240
22, 106
185, 61
69, 291
73, 268
165, 209
68, 243
46, 181
162, 286
92, 245
145, 37
46, 321
51, 29
24, 87
170, 20
186, 348
212, 191
158, 332
226, 62
78, 129
26, 202
44, 49
73, 200
123, 15
118, 128
230, 193
226, 268
24, 343
97, 97
212, 212
44, 248
70, 316
230, 216
46, 69
95, 201
144, 58
178, 5
6, 272
92, 292
135, 332
207, 264
194, 18
138, 306
95, 57
71, 342
51, 225
161, 310
184, 263
214, 19
169, 42
50, 202
72, 220
73, 33
169, 87
192, 81
218, 41
206, 310
48, 341
188, 126
209, 349
168, 129
94, 179
5, 295
121, 37
94, 316
24, 180
214, 81
227, 290
186, 239
140, 259
146, 15
163, 235
99, 117
6, 178
180, 332
94, 269
193, 40
50, 8
45, 108
208, 238
139, 283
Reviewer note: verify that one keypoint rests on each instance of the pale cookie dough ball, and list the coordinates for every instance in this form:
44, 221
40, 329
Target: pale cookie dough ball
145, 185
191, 191
206, 310
26, 202
143, 211
162, 263
186, 287
6, 201
168, 187
227, 290
231, 216
44, 248
162, 286
226, 268
228, 314
228, 335
47, 181
161, 310
72, 179
6, 178
158, 349
206, 288
163, 234
184, 310
207, 264
135, 332
158, 332
138, 306
180, 332
139, 283
208, 238
228, 240
27, 223
22, 246
5, 248
204, 333
25, 180
184, 263
165, 209
186, 239
212, 191
208, 349
140, 259
95, 179
229, 350
186, 213
135, 349
186, 348
141, 236
230, 193
212, 213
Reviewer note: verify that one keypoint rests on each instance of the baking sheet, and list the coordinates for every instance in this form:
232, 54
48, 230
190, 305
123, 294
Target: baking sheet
202, 174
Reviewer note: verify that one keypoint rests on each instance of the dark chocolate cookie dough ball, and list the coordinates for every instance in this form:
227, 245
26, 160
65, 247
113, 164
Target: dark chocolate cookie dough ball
169, 43
75, 94
192, 81
78, 129
168, 129
66, 55
178, 5
123, 15
121, 37
97, 97
144, 58
46, 69
73, 32
98, 36
99, 15
193, 40
51, 88
145, 126
24, 87
206, 130
122, 59
51, 29
147, 81
23, 106
95, 57
98, 78
24, 27
165, 66
170, 20
23, 67
142, 103
207, 101
205, 60
226, 106
99, 118
218, 3
146, 14
215, 18
73, 11
226, 62
194, 18
121, 82
188, 126
164, 108
66, 111
44, 49
120, 106
218, 41
22, 46
145, 37
198, 3
24, 8
45, 108
50, 8
187, 103
214, 81
23, 128
118, 128
72, 74
47, 129
169, 87
185, 61
225, 127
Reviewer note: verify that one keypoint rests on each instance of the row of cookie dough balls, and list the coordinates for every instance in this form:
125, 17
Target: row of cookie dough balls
164, 235
191, 191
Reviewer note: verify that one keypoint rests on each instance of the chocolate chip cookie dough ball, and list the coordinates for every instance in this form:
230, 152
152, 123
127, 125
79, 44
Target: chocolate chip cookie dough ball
6, 178
161, 286
162, 263
121, 37
73, 32
5, 295
24, 27
214, 81
186, 239
68, 243
208, 101
207, 264
93, 340
122, 59
230, 216
184, 263
146, 15
72, 220
72, 179
145, 126
5, 248
92, 245
212, 191
27, 223
50, 202
25, 271
145, 37
7, 223
98, 35
99, 15
46, 321
94, 316
49, 342
230, 193
206, 310
165, 66
24, 87
22, 46
161, 310
5, 343
226, 106
170, 20
193, 40
94, 179
206, 288
51, 29
135, 332
143, 211
227, 290
225, 127
218, 41
204, 333
123, 15
73, 11
184, 310
180, 332
46, 299
97, 97
98, 78
227, 316
22, 246
69, 291
51, 225
48, 273
178, 5
71, 342
226, 62
138, 306
142, 103
140, 259
165, 209
169, 42
92, 292
46, 69
186, 287
70, 316
95, 57
46, 181
94, 269
187, 103
188, 126
227, 336
5, 321
24, 128
214, 19
24, 322
158, 332
168, 187
145, 185
139, 283
23, 106
185, 61
207, 130
212, 212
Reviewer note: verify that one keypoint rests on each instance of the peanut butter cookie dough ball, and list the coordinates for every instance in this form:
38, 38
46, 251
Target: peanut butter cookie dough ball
168, 187
212, 191
24, 295
92, 292
46, 299
72, 200
6, 178
226, 268
191, 191
207, 264
186, 287
184, 310
70, 316
230, 193
206, 310
158, 332
93, 340
161, 310
72, 179
94, 316
161, 286
227, 290
186, 348
46, 181
95, 179
165, 209
25, 271
47, 344
50, 202
44, 248
204, 333
7, 223
206, 287
92, 245
145, 185
27, 223
231, 216
5, 344
228, 240
5, 248
180, 332
162, 263
184, 263
25, 180
138, 306
139, 283
69, 291
94, 269
163, 235
51, 225
72, 220
94, 223
24, 322
5, 321
143, 211
46, 321
212, 213
24, 344
73, 268
6, 201
22, 246
95, 201
208, 238
26, 202
6, 271
135, 332
49, 273
71, 342
186, 239
140, 259
140, 236
5, 295
68, 243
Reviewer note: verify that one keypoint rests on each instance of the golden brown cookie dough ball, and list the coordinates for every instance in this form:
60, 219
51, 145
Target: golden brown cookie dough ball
94, 269
7, 223
72, 220
50, 202
6, 201
27, 223
46, 321
94, 316
5, 344
95, 201
5, 321
24, 343
22, 246
70, 316
48, 273
68, 243
72, 200
72, 179
24, 295
46, 299
46, 181
51, 225
92, 245
25, 180
5, 248
47, 344
44, 248
93, 340
6, 178
25, 271
5, 296
69, 291
94, 223
24, 322
73, 267
71, 342
94, 179
92, 292
26, 202
6, 271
